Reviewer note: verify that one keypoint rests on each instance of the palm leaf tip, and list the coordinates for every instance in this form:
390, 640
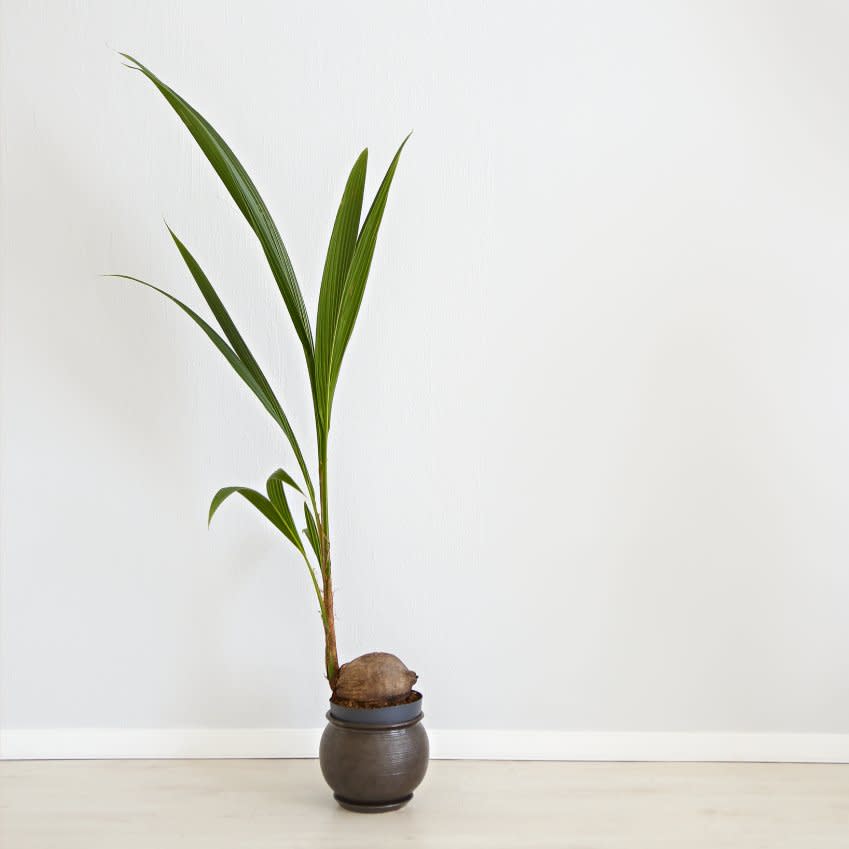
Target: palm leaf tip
261, 503
284, 476
246, 196
239, 355
357, 274
340, 249
218, 500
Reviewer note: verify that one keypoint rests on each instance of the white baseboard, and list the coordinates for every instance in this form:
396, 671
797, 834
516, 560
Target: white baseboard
86, 743
640, 746
90, 743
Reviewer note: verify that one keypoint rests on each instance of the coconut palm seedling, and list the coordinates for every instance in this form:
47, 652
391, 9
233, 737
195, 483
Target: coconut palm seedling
373, 679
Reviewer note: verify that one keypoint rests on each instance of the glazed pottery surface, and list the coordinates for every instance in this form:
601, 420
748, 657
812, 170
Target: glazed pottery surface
371, 764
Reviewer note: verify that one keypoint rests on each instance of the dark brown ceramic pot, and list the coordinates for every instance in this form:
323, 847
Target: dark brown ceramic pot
373, 758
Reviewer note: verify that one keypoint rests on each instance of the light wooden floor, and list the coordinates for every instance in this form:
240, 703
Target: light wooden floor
285, 805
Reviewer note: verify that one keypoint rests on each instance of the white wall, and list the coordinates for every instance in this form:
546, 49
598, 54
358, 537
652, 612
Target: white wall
591, 449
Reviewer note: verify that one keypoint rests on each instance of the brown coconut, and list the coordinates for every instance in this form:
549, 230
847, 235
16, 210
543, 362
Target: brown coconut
374, 680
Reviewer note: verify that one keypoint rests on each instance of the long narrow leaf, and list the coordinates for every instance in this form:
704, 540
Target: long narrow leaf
355, 280
269, 402
219, 311
247, 198
241, 349
277, 497
311, 532
343, 240
261, 503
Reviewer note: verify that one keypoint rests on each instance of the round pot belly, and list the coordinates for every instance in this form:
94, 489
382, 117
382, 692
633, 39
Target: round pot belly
374, 766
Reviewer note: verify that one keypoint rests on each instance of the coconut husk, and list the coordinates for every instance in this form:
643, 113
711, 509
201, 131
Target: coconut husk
376, 679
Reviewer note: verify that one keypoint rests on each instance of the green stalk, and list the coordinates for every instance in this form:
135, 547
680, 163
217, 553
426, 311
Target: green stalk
331, 660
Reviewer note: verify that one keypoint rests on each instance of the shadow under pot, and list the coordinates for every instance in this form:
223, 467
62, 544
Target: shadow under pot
373, 758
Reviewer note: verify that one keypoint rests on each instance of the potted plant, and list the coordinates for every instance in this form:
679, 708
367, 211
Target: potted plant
374, 750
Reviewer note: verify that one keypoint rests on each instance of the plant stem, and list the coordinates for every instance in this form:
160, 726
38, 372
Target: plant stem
331, 661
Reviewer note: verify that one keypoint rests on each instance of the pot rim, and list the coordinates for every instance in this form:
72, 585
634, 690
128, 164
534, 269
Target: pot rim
377, 717
372, 726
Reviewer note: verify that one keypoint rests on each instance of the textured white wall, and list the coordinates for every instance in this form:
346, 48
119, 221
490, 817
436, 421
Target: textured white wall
591, 450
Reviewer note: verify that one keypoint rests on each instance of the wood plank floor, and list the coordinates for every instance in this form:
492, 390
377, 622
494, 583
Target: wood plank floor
268, 803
